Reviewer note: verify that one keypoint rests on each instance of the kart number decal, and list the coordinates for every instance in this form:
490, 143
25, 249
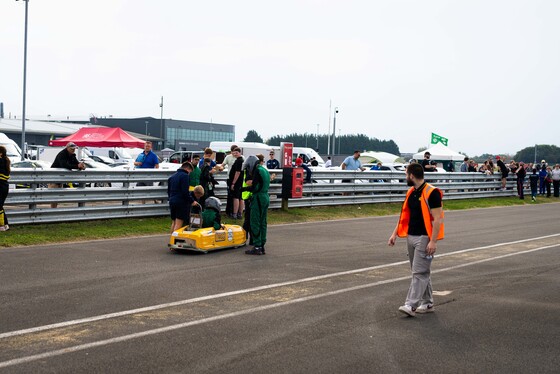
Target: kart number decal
220, 236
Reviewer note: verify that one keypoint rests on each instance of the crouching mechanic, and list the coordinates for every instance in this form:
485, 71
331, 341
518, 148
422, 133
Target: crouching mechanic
180, 198
258, 186
421, 222
211, 214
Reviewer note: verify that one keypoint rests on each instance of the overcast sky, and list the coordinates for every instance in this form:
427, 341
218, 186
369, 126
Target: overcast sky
485, 74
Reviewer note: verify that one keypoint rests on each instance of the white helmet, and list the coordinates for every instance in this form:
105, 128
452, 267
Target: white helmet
213, 203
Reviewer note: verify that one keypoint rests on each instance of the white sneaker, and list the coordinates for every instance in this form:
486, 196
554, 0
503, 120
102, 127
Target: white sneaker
3, 228
407, 309
425, 308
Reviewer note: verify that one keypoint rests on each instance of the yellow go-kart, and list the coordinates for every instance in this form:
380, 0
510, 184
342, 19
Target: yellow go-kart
195, 238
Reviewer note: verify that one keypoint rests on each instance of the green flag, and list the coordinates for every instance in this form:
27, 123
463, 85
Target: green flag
438, 139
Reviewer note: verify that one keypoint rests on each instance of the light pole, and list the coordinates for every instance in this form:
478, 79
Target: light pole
146, 122
535, 154
339, 141
329, 130
161, 125
334, 131
317, 138
23, 148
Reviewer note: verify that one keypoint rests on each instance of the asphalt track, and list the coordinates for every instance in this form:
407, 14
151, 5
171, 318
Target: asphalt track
324, 299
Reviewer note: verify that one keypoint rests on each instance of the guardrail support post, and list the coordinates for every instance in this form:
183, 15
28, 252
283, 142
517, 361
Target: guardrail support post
285, 204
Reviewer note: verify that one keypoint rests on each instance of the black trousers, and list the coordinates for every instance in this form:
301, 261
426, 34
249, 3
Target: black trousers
229, 201
4, 188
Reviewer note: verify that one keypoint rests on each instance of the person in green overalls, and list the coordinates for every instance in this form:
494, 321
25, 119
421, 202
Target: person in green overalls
211, 214
194, 175
260, 201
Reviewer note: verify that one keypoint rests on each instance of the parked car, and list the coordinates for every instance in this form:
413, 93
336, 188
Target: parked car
102, 159
30, 165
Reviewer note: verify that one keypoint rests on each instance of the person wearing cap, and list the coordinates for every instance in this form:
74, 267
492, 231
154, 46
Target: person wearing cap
66, 159
272, 163
301, 164
427, 164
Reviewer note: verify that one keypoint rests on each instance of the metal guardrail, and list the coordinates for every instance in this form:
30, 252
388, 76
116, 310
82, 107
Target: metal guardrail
103, 194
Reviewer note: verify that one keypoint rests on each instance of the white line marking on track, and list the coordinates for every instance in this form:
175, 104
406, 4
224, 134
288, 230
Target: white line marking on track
123, 338
239, 292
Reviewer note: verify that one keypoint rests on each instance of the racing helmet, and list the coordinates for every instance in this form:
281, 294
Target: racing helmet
250, 164
213, 203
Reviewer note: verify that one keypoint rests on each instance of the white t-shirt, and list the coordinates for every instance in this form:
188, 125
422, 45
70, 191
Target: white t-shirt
228, 161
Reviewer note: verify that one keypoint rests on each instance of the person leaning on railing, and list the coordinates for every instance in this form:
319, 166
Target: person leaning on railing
66, 159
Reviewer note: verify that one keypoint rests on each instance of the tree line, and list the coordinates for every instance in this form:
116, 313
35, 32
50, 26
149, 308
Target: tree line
345, 144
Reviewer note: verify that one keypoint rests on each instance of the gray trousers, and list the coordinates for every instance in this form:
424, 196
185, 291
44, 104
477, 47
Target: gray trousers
420, 291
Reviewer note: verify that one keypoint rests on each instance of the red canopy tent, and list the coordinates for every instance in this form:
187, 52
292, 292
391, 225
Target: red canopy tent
100, 137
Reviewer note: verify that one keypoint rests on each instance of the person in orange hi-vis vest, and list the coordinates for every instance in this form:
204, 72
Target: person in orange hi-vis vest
421, 222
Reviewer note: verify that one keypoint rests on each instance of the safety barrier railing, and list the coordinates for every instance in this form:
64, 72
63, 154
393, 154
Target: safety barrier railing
105, 194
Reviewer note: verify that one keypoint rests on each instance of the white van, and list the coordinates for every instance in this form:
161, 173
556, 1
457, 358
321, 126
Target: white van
307, 154
13, 151
247, 148
118, 154
44, 153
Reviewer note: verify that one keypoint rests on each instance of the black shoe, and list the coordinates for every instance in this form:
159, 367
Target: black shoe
255, 251
262, 250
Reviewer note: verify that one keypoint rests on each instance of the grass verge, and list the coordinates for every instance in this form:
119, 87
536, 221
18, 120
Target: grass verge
23, 235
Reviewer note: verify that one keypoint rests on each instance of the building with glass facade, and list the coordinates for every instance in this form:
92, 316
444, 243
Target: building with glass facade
176, 134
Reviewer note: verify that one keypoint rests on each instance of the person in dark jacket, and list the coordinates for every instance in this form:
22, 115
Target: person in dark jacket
503, 170
520, 173
533, 183
180, 199
66, 159
4, 187
207, 180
